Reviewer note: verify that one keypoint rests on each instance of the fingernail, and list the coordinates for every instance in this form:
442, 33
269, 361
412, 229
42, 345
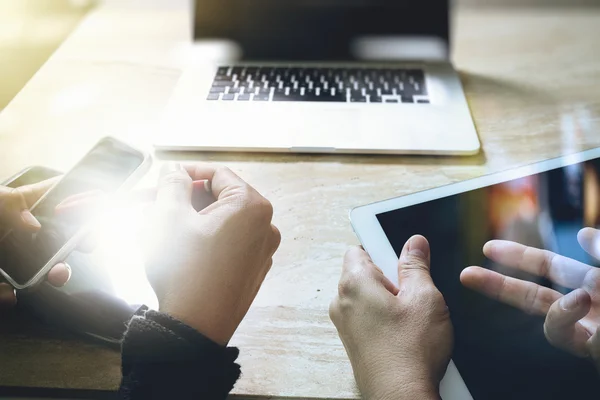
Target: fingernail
570, 301
58, 277
207, 186
417, 247
169, 167
404, 252
29, 219
8, 297
70, 273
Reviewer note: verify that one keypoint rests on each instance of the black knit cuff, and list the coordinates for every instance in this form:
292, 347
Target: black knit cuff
164, 358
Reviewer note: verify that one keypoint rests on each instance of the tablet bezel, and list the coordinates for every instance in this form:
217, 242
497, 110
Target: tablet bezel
371, 235
374, 240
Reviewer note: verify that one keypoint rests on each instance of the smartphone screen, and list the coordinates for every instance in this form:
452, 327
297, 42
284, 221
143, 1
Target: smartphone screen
100, 173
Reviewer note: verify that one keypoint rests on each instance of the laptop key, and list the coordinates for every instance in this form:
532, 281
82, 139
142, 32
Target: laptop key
282, 97
243, 97
337, 97
407, 99
221, 83
261, 97
213, 96
217, 90
315, 98
417, 74
228, 97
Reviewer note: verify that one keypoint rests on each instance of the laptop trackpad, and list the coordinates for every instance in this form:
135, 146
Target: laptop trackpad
300, 129
327, 128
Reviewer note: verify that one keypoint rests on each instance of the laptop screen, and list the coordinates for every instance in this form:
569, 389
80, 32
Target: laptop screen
317, 29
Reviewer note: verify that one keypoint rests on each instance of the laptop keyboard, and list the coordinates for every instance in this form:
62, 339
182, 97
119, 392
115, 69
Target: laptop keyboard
342, 85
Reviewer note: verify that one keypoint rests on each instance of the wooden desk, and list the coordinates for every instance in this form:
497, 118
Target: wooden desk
533, 82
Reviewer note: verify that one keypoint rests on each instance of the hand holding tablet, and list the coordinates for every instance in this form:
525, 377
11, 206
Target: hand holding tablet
501, 352
398, 336
573, 320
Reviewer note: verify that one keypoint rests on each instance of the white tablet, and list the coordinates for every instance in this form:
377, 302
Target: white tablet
499, 351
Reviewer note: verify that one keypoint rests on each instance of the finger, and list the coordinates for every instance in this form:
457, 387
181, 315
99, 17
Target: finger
589, 239
81, 205
561, 270
175, 185
413, 264
148, 195
15, 204
277, 238
27, 221
32, 193
222, 181
389, 285
356, 259
202, 196
526, 296
7, 296
81, 198
59, 275
359, 271
14, 213
376, 271
562, 327
594, 347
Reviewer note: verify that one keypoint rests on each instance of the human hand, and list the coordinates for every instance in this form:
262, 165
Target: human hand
207, 266
573, 320
14, 214
399, 339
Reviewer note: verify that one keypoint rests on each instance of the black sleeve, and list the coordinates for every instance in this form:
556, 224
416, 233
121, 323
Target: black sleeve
163, 358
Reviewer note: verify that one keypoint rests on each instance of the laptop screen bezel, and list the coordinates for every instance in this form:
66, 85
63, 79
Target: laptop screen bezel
214, 19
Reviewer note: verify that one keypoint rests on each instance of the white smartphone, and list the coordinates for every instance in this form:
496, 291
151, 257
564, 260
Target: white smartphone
108, 169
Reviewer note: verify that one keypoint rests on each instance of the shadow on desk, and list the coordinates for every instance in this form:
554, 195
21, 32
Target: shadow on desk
227, 157
18, 393
7, 393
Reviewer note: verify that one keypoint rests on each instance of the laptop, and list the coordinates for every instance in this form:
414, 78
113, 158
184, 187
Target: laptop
320, 76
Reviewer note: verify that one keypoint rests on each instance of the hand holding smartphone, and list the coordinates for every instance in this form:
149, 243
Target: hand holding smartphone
26, 256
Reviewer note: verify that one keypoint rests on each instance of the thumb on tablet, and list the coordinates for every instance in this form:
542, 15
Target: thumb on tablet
413, 265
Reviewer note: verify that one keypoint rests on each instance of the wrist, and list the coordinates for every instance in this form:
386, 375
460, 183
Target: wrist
405, 390
393, 383
211, 328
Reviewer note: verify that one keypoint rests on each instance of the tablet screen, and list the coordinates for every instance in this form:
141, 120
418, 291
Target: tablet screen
500, 351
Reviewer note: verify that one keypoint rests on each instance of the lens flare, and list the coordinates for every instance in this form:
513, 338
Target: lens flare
119, 253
